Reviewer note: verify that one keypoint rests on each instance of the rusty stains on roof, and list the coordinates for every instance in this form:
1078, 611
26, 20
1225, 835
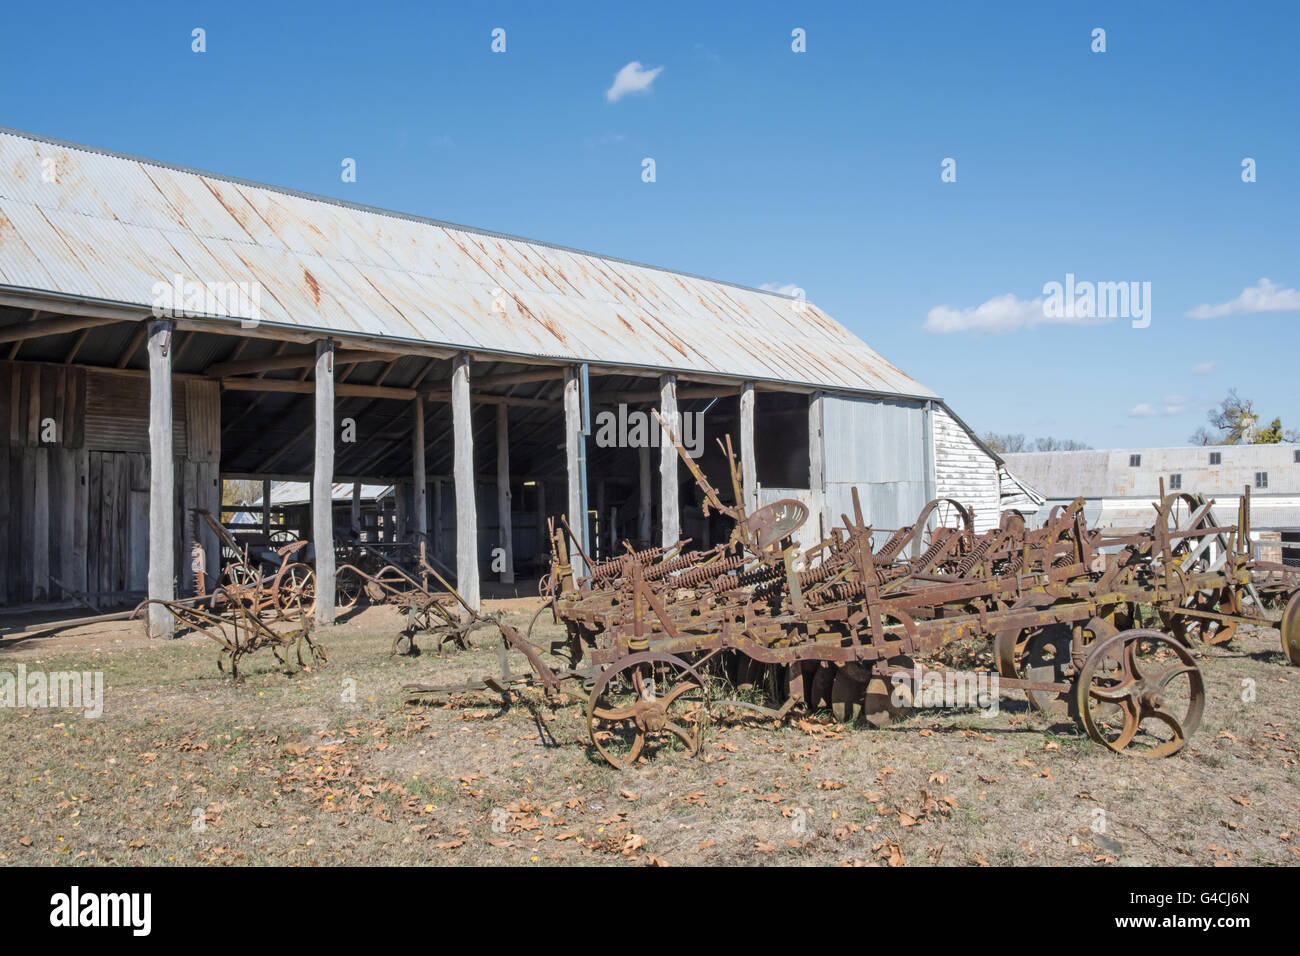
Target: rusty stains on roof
112, 226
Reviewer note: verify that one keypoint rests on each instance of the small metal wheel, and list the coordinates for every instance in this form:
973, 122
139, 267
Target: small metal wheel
347, 589
1140, 693
1289, 627
297, 590
647, 696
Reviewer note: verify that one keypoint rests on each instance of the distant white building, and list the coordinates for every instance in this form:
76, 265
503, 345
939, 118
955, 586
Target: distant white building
1122, 485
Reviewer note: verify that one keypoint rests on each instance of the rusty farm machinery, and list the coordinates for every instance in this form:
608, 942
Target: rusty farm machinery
444, 614
1100, 628
263, 598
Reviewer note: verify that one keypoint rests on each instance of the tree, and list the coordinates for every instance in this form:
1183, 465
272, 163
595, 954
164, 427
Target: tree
1009, 444
240, 493
1234, 421
1270, 435
1004, 444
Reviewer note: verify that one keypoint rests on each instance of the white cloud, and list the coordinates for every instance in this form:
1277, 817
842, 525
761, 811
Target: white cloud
1172, 405
1204, 368
1000, 314
1264, 296
633, 78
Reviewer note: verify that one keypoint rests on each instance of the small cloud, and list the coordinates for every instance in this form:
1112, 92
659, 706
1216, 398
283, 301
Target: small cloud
1264, 296
1172, 405
788, 288
1204, 368
997, 316
633, 78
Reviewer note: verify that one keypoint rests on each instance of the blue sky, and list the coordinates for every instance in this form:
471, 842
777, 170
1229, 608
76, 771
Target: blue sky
818, 169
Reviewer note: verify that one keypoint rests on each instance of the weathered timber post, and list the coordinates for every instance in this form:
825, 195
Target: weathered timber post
506, 534
748, 460
322, 482
467, 579
162, 478
669, 505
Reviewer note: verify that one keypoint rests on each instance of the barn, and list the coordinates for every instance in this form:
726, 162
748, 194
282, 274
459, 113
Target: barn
166, 330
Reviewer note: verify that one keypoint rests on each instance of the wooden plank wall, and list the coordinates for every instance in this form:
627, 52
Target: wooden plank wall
74, 476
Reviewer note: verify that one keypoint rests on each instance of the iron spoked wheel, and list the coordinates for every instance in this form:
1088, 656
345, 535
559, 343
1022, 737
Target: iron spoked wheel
347, 589
1140, 693
297, 590
647, 699
238, 575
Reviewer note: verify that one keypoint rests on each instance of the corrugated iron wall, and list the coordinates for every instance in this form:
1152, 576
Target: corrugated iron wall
878, 447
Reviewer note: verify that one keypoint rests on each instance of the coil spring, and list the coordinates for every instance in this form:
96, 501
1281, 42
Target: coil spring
977, 554
895, 542
940, 544
679, 563
610, 568
708, 572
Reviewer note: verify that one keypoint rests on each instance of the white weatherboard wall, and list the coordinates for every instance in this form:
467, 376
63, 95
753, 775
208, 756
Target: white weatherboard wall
877, 446
965, 471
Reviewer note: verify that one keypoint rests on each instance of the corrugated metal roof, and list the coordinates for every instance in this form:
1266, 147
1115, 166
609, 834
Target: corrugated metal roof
299, 492
109, 227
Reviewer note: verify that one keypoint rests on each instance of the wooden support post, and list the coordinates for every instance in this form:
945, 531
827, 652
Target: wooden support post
436, 548
817, 469
505, 537
573, 438
356, 510
266, 507
644, 510
162, 478
748, 458
418, 505
670, 517
463, 474
322, 517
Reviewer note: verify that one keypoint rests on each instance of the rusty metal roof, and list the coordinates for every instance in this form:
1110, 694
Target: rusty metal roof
100, 226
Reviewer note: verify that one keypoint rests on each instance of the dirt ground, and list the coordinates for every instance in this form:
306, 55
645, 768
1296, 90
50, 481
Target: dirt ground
332, 766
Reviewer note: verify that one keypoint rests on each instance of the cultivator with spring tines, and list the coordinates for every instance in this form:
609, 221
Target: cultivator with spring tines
844, 624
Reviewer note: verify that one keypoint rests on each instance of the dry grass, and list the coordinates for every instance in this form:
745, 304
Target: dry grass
286, 769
